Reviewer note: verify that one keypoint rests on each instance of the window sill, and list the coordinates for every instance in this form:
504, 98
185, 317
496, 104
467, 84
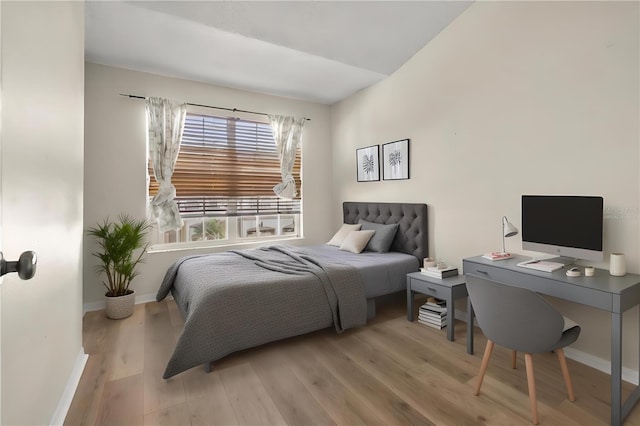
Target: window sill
176, 247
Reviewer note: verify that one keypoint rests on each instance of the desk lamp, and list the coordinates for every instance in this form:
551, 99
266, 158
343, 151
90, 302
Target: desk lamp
508, 230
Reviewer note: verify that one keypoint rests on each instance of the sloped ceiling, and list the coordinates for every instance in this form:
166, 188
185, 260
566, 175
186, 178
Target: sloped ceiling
319, 51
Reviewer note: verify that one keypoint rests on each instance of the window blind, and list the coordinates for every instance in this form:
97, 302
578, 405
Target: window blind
228, 167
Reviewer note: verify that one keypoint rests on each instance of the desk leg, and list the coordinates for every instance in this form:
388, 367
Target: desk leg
469, 327
616, 369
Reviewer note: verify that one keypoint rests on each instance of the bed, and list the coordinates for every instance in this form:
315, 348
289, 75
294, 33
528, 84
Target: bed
241, 299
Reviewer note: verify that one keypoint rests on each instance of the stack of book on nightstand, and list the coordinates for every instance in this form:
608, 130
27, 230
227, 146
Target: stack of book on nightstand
433, 271
433, 313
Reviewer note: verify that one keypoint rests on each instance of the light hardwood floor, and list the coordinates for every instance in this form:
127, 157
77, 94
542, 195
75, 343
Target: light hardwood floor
391, 372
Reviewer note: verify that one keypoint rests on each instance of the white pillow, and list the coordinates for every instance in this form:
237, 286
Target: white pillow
356, 241
342, 234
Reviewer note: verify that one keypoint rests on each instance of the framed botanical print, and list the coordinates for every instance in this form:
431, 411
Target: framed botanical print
368, 163
395, 160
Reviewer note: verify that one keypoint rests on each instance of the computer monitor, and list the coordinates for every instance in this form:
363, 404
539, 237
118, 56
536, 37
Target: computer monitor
567, 226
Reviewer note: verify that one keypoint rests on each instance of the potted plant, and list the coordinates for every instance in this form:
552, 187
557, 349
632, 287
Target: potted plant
121, 245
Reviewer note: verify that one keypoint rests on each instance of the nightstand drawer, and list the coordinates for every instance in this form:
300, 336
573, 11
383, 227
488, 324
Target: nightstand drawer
431, 289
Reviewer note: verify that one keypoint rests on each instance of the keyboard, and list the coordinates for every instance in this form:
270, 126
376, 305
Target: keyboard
541, 265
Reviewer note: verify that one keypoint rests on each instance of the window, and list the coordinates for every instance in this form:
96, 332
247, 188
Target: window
224, 178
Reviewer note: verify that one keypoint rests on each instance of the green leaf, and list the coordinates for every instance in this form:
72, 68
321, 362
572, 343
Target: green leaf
121, 245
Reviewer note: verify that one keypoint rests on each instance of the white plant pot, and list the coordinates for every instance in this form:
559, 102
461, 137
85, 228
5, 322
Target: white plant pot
121, 306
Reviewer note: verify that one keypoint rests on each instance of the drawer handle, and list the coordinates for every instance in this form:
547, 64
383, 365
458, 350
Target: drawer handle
482, 272
431, 289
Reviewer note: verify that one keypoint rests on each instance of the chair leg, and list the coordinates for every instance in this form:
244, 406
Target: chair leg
485, 363
565, 374
531, 381
514, 354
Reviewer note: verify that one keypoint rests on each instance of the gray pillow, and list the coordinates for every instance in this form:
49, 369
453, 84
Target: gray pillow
382, 239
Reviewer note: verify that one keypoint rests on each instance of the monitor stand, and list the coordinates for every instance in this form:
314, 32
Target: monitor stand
566, 261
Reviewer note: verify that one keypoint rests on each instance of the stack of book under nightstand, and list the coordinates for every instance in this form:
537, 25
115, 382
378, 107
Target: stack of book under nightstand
433, 313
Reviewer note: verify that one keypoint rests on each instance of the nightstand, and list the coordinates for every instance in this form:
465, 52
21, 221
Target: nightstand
448, 289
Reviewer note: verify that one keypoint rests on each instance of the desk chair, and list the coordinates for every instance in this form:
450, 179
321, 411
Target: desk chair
520, 320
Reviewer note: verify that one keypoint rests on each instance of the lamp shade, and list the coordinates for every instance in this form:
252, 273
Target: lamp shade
508, 229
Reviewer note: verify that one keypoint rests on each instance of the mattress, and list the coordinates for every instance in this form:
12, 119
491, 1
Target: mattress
382, 273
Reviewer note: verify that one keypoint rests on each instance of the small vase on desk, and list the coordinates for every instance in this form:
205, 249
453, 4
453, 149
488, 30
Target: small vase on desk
617, 265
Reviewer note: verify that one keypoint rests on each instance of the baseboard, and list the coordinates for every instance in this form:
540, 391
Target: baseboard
96, 306
628, 374
70, 389
600, 364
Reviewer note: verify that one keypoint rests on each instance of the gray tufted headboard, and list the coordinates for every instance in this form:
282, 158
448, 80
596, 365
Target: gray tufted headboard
412, 236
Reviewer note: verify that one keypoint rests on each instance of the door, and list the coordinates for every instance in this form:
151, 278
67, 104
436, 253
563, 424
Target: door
41, 191
1, 278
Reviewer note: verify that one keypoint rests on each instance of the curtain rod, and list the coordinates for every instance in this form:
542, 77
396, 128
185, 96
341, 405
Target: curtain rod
209, 106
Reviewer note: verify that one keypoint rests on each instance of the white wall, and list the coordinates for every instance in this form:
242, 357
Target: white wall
42, 157
512, 98
115, 157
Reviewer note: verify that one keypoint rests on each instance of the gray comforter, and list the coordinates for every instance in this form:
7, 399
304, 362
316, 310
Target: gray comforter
240, 299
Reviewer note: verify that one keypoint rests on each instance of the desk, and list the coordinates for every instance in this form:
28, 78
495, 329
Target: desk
602, 291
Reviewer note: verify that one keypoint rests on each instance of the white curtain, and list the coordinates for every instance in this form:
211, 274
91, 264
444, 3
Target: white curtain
165, 122
287, 132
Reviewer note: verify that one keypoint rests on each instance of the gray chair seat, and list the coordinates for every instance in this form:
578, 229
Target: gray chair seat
568, 337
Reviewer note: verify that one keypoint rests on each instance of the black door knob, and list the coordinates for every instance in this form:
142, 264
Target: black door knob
25, 266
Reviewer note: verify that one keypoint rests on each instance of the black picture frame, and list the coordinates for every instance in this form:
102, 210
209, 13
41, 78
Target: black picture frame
368, 164
395, 160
